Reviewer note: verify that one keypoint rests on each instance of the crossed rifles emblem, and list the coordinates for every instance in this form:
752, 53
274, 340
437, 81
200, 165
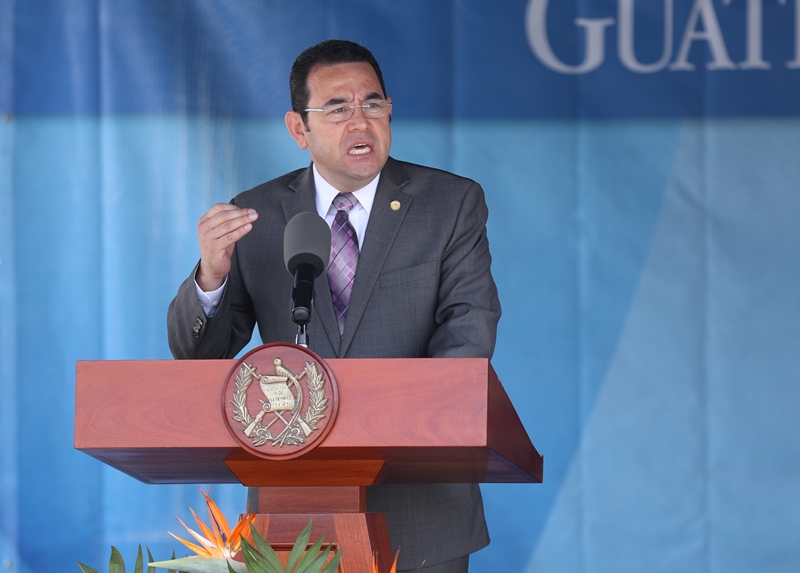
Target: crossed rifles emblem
284, 400
279, 398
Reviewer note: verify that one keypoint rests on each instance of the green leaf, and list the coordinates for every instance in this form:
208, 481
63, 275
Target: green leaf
310, 557
171, 570
262, 554
116, 564
138, 566
334, 564
196, 564
259, 563
311, 565
300, 545
264, 549
86, 568
150, 560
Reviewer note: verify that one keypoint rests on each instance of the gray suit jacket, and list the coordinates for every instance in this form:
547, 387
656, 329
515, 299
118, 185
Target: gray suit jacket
423, 288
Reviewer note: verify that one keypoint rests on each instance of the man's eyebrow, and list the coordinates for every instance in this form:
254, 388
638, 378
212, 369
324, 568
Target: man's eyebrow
339, 100
334, 101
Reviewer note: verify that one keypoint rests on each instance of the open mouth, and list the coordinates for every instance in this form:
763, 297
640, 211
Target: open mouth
360, 149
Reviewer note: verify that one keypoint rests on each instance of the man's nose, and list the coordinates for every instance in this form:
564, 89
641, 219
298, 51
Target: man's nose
359, 117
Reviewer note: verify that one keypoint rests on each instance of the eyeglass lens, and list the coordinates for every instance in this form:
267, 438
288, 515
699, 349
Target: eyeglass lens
371, 109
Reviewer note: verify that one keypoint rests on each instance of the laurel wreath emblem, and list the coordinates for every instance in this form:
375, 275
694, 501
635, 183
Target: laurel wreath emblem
298, 427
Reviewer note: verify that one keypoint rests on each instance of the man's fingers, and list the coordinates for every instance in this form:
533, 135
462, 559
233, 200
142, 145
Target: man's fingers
226, 224
220, 208
223, 212
235, 233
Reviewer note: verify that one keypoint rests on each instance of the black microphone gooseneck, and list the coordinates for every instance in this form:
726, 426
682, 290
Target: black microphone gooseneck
306, 251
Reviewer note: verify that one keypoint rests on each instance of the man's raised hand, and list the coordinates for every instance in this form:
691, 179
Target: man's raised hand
218, 231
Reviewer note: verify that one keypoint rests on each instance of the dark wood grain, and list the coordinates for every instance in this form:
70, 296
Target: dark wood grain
312, 500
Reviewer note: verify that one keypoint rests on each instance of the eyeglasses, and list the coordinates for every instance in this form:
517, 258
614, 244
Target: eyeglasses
343, 112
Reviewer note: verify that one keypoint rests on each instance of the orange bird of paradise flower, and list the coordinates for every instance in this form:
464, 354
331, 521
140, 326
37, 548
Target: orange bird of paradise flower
217, 540
394, 565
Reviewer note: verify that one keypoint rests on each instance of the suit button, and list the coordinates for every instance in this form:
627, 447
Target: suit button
198, 326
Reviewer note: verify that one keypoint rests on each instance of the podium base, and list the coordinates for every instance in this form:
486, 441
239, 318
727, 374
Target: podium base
358, 536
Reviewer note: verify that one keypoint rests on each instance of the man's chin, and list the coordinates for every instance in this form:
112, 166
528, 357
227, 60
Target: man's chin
366, 171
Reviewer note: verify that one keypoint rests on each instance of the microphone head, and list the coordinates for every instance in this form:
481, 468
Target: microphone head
307, 240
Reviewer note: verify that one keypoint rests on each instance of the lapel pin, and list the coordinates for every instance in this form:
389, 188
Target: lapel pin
395, 205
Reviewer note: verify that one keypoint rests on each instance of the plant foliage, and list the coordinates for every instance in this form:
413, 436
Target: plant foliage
260, 557
116, 564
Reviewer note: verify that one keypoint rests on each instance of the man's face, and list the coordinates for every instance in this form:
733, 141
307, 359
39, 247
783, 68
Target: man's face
351, 153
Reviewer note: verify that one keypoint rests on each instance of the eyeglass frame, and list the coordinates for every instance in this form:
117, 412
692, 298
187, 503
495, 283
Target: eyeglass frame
352, 107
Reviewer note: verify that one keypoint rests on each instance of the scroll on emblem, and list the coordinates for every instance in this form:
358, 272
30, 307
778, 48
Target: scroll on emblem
291, 406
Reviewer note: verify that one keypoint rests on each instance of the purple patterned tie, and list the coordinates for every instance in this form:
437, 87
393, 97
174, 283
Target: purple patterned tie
344, 256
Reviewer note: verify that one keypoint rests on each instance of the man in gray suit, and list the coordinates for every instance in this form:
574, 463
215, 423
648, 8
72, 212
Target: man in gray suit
422, 286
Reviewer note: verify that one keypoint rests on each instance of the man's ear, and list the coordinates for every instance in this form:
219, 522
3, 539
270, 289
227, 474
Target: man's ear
297, 128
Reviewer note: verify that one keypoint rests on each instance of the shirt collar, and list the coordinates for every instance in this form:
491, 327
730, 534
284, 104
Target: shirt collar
325, 193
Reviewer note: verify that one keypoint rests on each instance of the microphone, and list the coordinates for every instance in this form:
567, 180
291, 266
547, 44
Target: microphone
306, 251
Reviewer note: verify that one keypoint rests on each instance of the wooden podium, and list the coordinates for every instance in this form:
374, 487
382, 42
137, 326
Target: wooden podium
432, 420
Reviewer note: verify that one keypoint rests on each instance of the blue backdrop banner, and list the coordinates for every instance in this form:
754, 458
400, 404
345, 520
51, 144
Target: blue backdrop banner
473, 59
640, 166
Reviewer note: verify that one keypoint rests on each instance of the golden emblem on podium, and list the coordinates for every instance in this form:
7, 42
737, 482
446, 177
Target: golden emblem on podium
279, 400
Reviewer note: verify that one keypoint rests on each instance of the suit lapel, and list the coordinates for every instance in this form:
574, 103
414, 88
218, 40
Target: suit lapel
304, 199
384, 222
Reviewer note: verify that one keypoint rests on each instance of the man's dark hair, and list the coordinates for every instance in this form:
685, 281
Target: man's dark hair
327, 53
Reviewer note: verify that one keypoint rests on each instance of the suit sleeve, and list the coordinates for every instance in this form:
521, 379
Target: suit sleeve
193, 335
468, 309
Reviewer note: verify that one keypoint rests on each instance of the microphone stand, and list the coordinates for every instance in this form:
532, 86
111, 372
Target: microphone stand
302, 301
301, 338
